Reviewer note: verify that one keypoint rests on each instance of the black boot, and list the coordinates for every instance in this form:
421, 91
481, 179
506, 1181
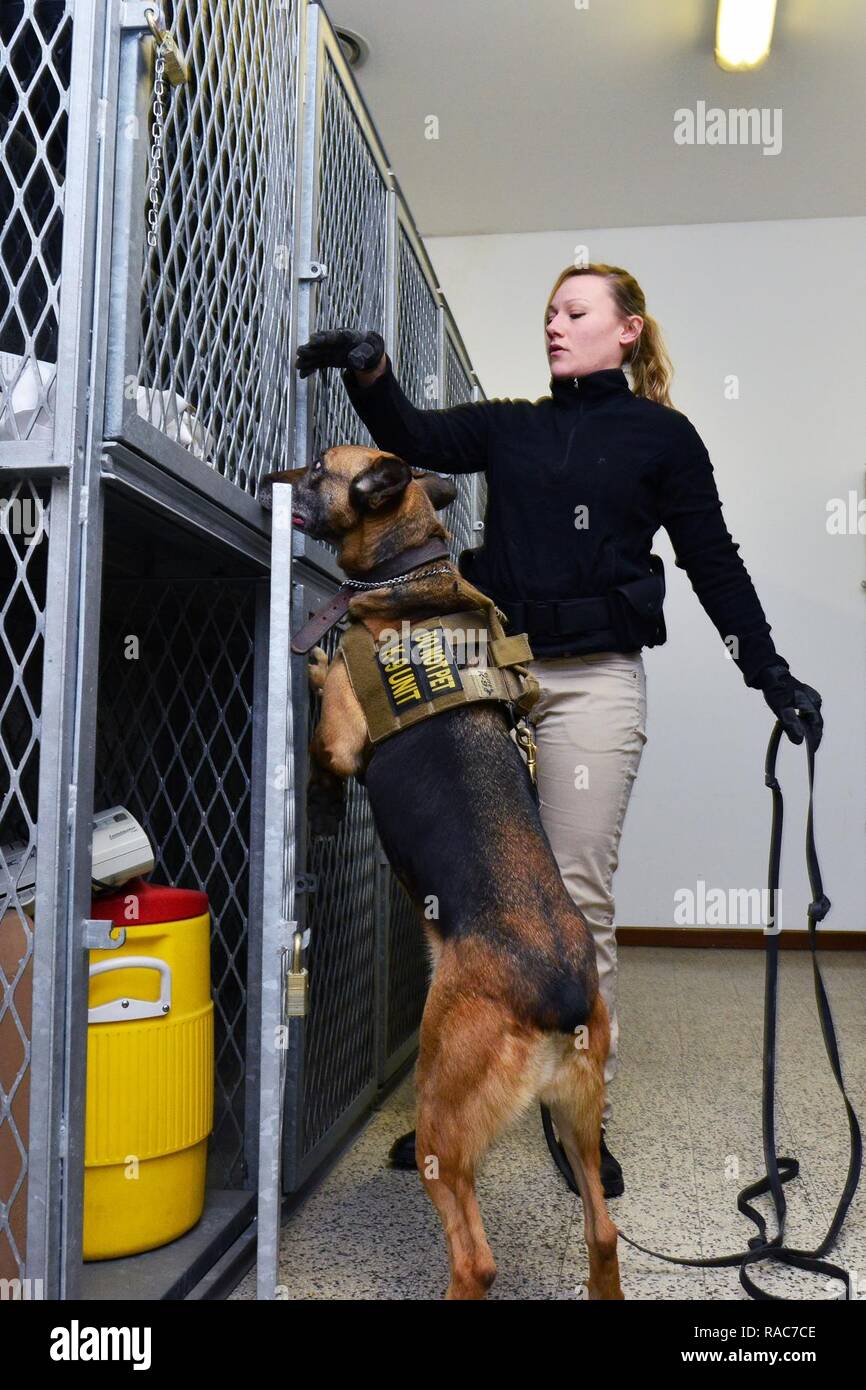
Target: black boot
611, 1173
402, 1152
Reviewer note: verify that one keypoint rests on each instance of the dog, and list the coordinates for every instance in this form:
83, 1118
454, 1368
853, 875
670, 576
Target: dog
514, 1015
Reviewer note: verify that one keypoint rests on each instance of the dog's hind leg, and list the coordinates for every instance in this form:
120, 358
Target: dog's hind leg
575, 1096
475, 1073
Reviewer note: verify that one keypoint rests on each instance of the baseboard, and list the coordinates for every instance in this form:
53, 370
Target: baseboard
737, 938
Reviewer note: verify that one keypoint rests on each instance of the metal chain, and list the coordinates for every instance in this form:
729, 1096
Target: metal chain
397, 579
405, 579
156, 145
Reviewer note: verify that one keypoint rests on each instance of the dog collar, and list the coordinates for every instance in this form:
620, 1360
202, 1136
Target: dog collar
398, 567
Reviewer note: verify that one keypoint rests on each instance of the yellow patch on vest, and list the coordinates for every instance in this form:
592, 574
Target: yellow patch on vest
420, 673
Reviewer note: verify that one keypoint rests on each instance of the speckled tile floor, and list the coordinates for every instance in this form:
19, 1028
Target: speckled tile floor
685, 1126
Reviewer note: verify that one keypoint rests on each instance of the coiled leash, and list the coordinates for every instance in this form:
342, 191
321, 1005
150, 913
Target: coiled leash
779, 1170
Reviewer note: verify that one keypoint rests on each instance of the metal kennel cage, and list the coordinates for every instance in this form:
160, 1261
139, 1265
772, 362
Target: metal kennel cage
163, 251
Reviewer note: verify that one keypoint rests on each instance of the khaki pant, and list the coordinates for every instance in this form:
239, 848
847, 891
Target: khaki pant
590, 730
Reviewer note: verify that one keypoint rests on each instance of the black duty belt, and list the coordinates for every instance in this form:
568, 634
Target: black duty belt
556, 618
633, 612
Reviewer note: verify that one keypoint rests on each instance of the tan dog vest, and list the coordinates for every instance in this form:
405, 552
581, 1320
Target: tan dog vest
401, 680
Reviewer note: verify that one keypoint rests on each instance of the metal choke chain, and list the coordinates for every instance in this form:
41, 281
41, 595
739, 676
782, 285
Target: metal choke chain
397, 579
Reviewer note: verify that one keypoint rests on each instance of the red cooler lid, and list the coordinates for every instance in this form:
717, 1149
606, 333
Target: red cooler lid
156, 903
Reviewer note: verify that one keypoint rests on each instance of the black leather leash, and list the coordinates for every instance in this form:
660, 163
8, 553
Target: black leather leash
779, 1170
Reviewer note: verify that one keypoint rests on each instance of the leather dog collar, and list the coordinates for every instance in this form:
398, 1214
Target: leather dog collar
326, 617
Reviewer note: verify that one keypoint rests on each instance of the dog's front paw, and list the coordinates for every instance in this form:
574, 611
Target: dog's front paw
317, 668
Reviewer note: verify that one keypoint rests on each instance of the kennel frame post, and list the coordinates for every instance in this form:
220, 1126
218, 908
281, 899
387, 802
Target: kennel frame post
305, 273
278, 898
257, 857
478, 480
306, 197
59, 1050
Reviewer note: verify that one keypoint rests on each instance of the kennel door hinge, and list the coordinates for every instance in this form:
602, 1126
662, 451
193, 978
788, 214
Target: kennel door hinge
96, 935
306, 883
312, 270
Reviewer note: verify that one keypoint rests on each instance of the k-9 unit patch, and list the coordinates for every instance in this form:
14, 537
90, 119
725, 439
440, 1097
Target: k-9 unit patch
419, 670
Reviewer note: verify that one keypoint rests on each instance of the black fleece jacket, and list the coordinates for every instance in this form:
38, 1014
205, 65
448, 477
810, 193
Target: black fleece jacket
633, 464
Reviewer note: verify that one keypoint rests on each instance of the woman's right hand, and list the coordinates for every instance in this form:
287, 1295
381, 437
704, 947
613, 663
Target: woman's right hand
340, 347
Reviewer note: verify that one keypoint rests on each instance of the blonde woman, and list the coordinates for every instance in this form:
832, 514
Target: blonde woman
578, 483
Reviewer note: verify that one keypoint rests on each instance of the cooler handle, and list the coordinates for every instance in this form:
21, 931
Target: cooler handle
120, 1010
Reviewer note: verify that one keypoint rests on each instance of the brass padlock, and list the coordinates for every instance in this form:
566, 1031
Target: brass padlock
176, 68
297, 982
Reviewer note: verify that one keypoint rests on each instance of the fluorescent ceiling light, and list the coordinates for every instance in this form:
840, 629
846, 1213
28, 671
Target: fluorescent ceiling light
744, 30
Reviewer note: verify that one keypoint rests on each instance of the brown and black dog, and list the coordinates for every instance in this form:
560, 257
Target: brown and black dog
514, 1014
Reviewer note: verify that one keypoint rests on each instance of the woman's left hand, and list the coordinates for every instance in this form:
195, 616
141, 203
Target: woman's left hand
797, 704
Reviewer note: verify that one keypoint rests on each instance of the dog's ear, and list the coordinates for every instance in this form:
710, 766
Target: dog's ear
441, 491
383, 482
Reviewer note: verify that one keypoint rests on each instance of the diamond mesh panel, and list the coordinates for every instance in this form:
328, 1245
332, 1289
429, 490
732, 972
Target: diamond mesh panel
458, 387
35, 52
351, 242
175, 746
458, 516
339, 1049
23, 574
481, 497
216, 288
417, 326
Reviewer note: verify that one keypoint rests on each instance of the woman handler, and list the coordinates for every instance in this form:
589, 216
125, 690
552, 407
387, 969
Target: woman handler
578, 483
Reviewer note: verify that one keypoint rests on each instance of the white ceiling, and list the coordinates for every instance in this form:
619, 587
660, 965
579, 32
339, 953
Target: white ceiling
556, 117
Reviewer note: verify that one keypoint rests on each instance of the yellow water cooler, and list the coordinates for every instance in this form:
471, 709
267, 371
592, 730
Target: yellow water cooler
150, 1071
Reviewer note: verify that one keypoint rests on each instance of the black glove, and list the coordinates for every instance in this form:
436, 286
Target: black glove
786, 695
340, 347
